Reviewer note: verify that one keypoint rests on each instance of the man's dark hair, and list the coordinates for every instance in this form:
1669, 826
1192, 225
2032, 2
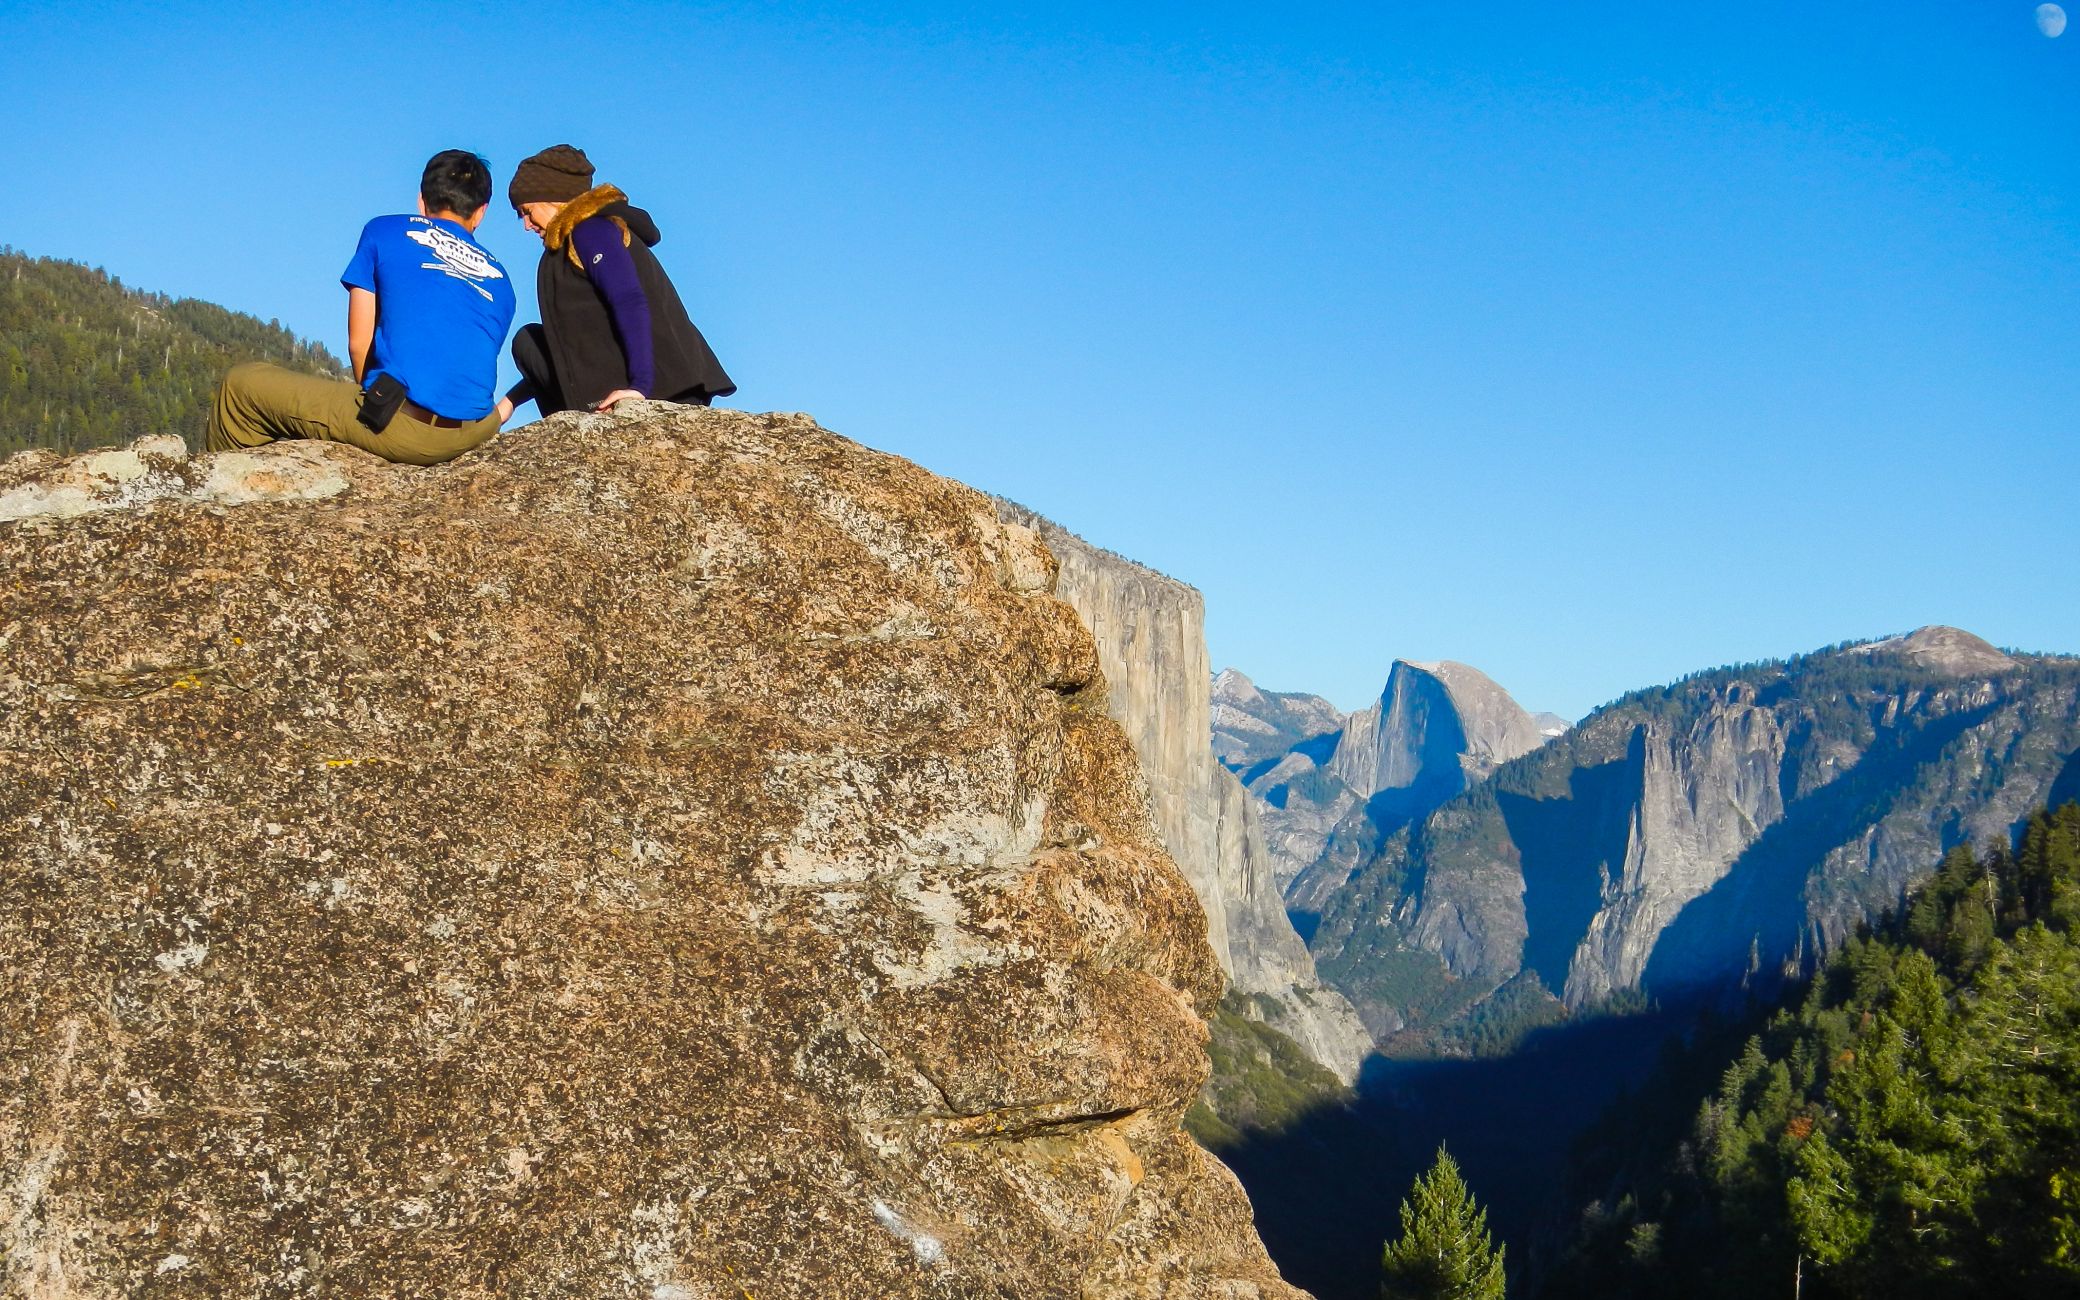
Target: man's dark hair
456, 181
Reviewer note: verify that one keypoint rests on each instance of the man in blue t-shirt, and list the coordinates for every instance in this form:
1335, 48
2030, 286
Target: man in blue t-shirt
427, 312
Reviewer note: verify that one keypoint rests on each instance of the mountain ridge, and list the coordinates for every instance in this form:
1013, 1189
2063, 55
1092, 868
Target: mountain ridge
1607, 860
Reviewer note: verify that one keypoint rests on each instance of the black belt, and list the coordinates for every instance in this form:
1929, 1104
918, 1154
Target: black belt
424, 416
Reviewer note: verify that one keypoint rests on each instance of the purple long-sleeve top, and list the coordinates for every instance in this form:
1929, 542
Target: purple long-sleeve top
613, 272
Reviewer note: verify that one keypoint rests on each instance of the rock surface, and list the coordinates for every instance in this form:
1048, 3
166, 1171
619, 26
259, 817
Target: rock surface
1151, 635
678, 854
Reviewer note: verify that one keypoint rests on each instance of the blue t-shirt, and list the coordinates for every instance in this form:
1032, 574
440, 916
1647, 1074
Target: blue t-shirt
443, 306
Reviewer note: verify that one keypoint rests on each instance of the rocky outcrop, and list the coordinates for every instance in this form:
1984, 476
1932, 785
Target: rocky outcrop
677, 854
1150, 631
40, 484
1730, 829
1947, 650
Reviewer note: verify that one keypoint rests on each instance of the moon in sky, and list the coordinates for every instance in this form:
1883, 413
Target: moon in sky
2051, 20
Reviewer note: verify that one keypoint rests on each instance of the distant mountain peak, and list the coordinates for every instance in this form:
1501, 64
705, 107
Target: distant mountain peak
1251, 724
1451, 672
1494, 727
1944, 649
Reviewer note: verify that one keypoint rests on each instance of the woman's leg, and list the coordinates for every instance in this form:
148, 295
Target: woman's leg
537, 373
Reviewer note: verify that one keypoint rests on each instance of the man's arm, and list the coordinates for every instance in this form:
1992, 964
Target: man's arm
361, 329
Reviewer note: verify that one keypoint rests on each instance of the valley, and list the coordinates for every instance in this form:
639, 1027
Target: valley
1531, 923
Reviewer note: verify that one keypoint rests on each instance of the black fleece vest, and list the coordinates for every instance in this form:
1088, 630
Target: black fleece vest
585, 351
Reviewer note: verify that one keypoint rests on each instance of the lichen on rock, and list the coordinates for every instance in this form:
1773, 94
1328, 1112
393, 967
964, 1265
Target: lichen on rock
670, 854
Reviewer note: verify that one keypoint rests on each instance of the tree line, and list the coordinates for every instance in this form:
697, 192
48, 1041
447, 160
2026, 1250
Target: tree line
1910, 1128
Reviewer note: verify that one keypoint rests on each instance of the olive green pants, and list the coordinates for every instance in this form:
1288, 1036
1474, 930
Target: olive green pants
258, 403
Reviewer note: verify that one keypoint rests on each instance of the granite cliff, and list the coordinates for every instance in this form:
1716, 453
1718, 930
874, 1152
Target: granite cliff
1151, 636
1688, 840
678, 854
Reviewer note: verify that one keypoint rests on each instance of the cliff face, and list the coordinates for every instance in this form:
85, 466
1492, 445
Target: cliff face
1151, 637
1732, 828
1704, 792
1272, 966
1436, 729
677, 854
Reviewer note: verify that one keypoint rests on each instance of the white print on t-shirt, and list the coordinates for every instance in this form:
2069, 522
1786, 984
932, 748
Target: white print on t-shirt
458, 257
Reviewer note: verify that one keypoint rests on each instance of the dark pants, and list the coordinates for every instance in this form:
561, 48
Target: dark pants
538, 375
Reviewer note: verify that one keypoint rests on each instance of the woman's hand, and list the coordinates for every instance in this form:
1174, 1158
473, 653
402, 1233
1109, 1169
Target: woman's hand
615, 398
505, 410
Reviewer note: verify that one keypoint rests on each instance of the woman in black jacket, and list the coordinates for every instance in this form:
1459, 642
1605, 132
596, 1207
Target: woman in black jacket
612, 325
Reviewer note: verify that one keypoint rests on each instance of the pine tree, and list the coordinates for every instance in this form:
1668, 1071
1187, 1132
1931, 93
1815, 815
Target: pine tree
1444, 1251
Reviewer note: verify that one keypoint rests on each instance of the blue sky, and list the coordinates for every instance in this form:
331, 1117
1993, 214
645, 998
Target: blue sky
1589, 344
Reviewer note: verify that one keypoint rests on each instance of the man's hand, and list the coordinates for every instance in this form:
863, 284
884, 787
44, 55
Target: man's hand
618, 396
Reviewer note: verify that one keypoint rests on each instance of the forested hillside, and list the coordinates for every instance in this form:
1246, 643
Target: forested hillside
85, 360
1911, 1129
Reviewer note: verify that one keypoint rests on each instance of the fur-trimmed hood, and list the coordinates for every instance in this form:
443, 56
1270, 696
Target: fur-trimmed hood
600, 201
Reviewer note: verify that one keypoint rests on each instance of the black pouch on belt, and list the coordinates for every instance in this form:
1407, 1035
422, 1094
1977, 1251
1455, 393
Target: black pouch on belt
379, 402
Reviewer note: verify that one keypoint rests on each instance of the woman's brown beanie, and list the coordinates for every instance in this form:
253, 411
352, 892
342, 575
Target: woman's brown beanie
557, 174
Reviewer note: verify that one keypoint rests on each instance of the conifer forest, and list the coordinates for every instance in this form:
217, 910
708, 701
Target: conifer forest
86, 361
